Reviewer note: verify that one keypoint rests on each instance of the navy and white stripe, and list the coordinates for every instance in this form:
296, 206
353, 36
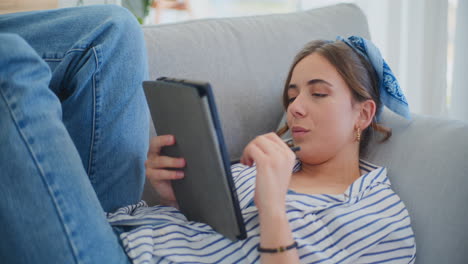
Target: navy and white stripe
368, 223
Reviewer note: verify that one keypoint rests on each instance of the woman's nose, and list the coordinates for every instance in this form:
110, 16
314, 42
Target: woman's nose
296, 108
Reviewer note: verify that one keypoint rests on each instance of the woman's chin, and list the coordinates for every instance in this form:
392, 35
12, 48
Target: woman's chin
309, 153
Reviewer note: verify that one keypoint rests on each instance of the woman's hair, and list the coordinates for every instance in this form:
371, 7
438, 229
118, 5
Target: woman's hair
358, 74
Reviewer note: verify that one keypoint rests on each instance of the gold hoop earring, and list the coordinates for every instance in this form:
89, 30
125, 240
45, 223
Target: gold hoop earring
358, 134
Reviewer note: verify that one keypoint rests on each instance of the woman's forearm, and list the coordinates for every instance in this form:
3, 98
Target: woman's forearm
274, 233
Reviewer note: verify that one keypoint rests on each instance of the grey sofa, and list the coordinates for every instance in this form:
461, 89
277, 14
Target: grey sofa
246, 60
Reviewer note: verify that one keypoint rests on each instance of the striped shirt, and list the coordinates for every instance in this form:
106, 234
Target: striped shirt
368, 223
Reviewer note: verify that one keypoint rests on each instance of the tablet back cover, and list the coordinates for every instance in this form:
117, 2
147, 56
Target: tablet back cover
207, 193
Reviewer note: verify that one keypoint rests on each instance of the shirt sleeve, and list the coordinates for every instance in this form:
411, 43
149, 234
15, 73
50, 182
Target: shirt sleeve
244, 181
237, 169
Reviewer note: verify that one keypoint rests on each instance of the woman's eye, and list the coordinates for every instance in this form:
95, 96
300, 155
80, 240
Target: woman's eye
290, 100
319, 95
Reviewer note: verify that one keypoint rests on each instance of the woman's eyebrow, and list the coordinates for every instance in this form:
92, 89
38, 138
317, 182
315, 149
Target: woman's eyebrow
315, 81
311, 82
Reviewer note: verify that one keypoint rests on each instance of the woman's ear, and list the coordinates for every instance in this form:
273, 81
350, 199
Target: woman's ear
366, 113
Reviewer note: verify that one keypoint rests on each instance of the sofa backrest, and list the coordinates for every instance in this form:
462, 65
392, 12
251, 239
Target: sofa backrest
246, 60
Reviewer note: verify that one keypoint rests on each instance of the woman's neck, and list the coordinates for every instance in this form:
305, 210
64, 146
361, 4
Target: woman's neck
330, 177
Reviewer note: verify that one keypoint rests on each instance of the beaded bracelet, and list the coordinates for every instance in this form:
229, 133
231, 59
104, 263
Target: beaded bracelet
277, 250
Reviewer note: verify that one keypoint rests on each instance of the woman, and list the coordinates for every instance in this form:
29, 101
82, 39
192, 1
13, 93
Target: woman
323, 205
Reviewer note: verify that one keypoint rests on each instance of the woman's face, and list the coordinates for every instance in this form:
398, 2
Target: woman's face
321, 115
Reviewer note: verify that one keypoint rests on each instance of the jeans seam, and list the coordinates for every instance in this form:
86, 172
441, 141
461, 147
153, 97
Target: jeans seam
53, 194
61, 58
95, 115
93, 137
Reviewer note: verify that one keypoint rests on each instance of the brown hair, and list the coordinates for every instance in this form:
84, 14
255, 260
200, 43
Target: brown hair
358, 74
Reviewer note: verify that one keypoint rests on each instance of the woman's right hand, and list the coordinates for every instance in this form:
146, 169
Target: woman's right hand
157, 169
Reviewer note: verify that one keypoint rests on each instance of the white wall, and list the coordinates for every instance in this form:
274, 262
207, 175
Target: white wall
459, 106
70, 3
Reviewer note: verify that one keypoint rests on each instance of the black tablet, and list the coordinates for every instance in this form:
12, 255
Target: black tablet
187, 110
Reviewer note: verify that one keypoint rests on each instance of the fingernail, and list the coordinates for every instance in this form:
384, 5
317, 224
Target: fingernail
182, 162
179, 174
170, 139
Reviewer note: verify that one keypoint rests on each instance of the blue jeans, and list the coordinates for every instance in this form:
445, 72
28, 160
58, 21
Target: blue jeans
73, 132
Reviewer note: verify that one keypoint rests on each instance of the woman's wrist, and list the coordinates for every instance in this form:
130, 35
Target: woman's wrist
272, 212
272, 209
274, 228
277, 244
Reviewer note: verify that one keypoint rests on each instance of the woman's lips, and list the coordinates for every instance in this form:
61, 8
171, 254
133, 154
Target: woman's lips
299, 131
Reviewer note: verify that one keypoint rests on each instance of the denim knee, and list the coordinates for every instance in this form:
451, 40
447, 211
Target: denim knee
120, 33
129, 33
117, 21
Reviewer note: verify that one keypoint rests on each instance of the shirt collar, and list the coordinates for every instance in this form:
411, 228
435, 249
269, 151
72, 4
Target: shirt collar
371, 175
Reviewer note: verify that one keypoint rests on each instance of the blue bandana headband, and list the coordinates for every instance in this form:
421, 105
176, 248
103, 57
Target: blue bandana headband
390, 93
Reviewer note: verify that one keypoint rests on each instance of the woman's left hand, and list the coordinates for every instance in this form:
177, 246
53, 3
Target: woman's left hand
274, 161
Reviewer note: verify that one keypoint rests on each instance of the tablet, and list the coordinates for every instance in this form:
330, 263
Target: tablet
187, 110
